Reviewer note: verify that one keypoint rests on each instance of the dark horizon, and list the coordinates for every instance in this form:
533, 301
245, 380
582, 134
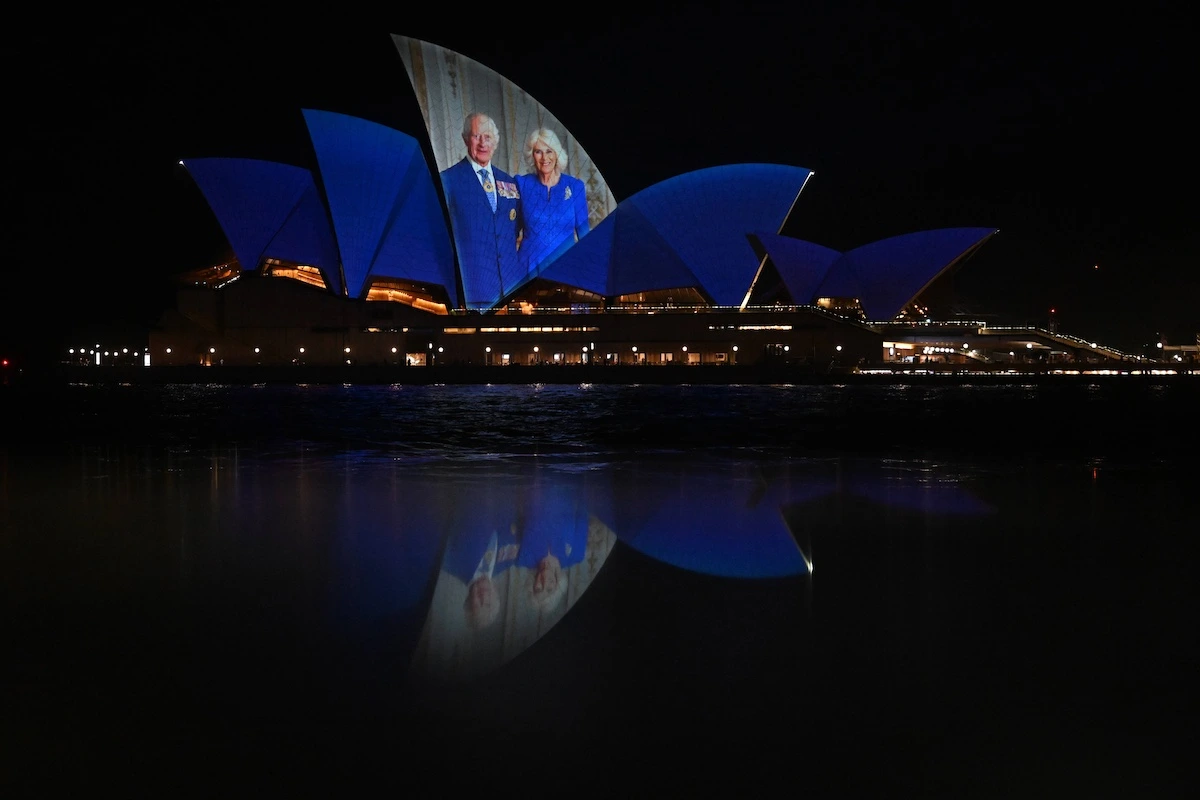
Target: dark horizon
1060, 137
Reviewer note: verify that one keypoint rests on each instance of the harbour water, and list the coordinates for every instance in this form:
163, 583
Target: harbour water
967, 590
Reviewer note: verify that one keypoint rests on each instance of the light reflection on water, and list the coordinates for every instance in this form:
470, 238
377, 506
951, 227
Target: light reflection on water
356, 535
216, 553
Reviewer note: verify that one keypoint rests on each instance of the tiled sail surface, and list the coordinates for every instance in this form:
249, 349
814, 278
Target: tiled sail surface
386, 212
801, 265
686, 232
705, 215
888, 274
268, 209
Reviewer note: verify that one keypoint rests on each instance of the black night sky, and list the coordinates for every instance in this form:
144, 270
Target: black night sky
1071, 134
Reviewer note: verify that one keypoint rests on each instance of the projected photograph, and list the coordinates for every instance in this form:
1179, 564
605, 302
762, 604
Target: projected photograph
519, 187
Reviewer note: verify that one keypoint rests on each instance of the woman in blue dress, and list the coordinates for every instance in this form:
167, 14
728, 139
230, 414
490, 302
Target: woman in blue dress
553, 204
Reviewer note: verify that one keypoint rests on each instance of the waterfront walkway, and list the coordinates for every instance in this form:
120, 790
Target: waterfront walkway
727, 374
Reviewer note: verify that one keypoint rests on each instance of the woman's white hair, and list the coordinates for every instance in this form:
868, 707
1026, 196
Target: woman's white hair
544, 601
552, 141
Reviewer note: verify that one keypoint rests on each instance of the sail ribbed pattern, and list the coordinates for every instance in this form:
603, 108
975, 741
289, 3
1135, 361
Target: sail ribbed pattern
889, 274
386, 213
268, 209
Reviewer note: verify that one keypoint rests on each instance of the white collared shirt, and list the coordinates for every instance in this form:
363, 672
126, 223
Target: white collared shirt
477, 166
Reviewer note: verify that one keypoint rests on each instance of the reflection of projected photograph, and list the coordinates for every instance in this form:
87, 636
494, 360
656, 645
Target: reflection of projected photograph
519, 188
512, 568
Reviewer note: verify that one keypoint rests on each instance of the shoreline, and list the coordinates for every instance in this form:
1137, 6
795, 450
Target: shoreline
681, 375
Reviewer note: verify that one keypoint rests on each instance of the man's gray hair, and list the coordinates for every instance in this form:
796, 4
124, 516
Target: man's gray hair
489, 125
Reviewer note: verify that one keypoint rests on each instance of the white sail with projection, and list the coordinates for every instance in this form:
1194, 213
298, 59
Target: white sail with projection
543, 224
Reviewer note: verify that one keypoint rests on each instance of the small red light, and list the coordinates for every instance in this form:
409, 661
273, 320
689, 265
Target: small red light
4, 363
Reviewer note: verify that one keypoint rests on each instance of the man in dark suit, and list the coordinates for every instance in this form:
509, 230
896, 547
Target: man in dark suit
485, 215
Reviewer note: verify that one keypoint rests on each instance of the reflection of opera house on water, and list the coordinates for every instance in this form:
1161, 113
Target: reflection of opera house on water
362, 262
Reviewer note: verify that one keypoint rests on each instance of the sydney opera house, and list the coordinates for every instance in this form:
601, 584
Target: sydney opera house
379, 257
